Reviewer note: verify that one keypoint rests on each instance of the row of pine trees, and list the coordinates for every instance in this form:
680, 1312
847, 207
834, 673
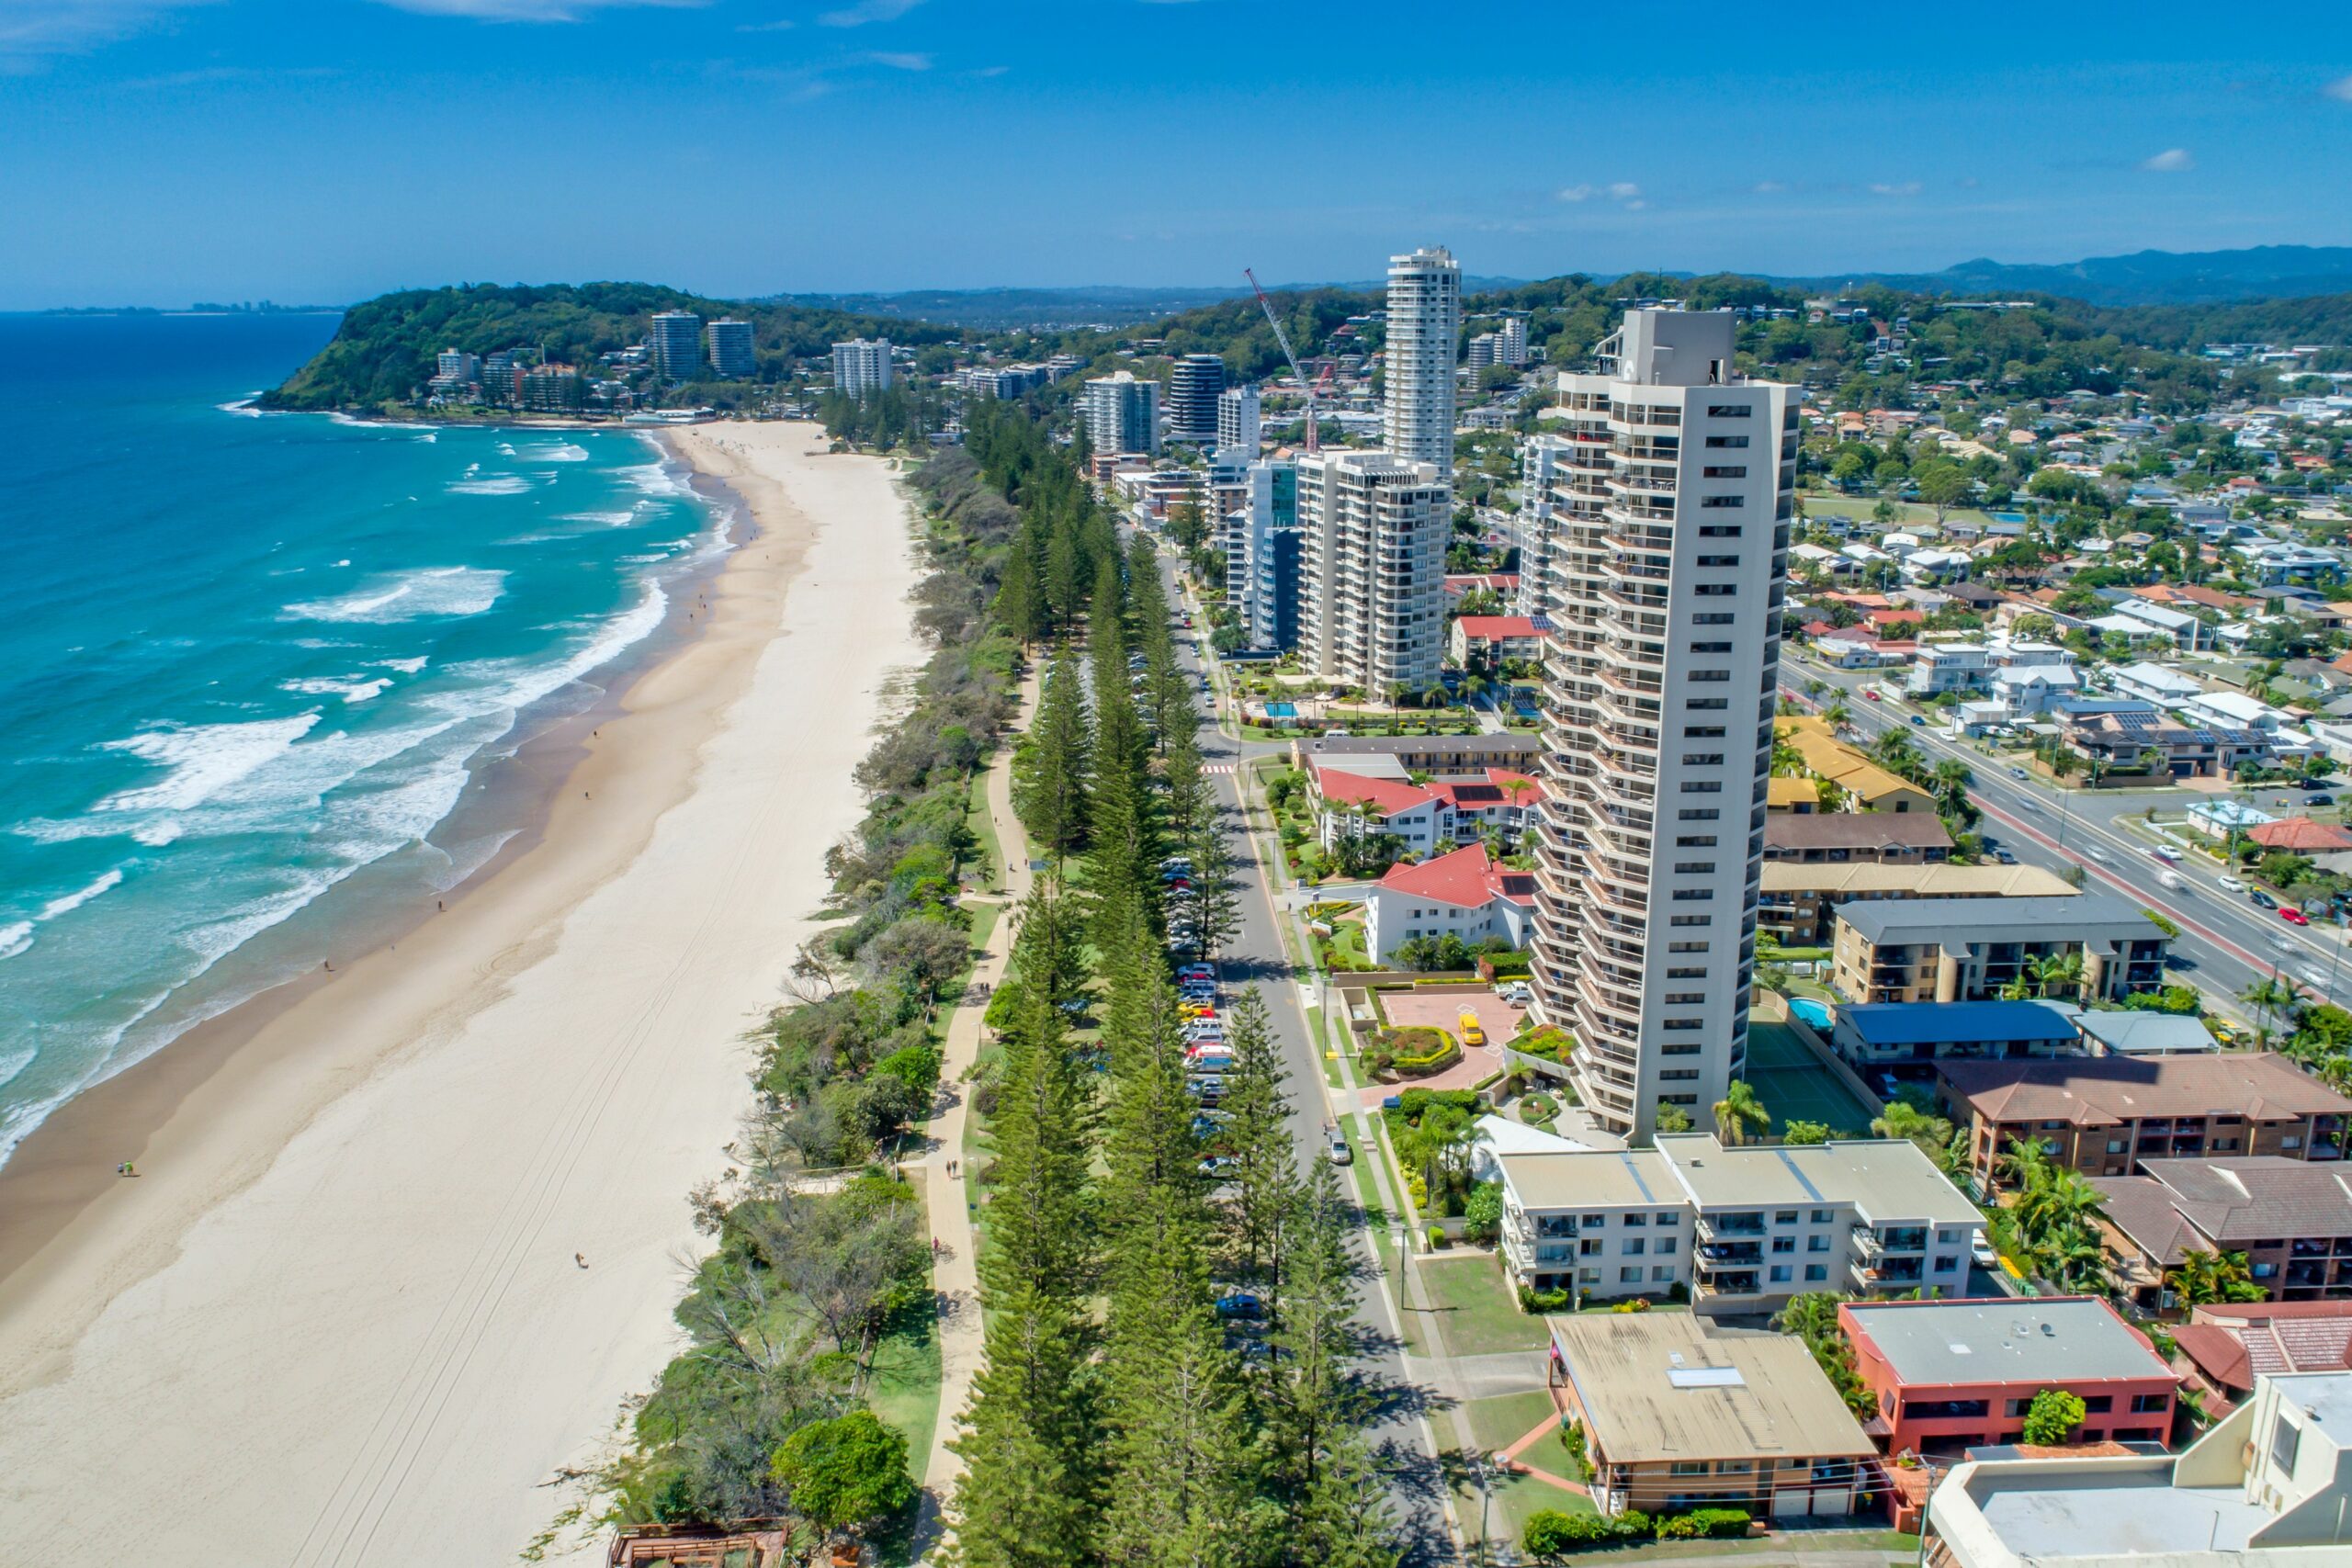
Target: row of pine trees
1114, 1419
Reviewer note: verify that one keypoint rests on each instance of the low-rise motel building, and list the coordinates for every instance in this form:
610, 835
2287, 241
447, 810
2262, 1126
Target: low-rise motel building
1952, 1375
1678, 1414
1970, 949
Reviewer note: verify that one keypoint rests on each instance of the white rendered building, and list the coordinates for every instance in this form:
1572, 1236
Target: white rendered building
1372, 569
677, 343
1240, 427
1667, 574
1196, 382
1540, 460
1424, 320
731, 352
1122, 414
862, 365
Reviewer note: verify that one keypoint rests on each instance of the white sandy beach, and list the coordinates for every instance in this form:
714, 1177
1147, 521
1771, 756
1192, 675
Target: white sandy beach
338, 1320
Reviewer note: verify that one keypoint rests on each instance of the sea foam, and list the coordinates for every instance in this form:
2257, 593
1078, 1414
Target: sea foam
411, 596
203, 760
495, 484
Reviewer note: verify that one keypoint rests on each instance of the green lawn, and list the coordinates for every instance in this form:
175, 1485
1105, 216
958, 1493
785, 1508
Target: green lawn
1475, 1308
989, 860
1794, 1085
1502, 1419
1817, 504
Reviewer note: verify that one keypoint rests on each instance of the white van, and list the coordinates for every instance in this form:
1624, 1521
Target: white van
2173, 880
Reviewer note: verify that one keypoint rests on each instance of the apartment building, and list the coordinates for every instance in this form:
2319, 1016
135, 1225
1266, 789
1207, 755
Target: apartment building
676, 340
1952, 1375
1970, 949
2102, 1115
1667, 574
1797, 901
1424, 321
1240, 425
2270, 1486
861, 366
1857, 838
1261, 571
730, 350
2292, 1218
1678, 1414
1540, 460
1196, 382
1121, 413
1371, 573
1741, 1227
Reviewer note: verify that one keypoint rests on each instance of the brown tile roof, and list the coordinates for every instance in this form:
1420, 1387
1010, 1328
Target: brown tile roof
2270, 1340
2105, 1091
2251, 1196
1856, 831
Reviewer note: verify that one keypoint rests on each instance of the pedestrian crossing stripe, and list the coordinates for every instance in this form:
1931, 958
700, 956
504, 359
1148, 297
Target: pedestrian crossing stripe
1220, 767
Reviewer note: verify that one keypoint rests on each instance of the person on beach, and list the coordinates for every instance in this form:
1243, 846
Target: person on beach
580, 1258
125, 1169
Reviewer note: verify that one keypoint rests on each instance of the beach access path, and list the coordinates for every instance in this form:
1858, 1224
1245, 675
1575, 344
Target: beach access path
955, 1272
339, 1318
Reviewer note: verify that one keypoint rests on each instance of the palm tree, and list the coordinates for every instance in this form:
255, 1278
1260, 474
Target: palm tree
2019, 989
2062, 969
1901, 1119
1837, 714
2205, 1277
1737, 1109
1814, 687
2269, 998
1895, 750
1951, 778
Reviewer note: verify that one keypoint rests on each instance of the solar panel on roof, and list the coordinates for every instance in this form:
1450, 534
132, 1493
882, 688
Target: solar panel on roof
1706, 1377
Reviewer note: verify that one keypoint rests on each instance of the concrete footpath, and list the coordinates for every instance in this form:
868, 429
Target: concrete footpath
955, 1271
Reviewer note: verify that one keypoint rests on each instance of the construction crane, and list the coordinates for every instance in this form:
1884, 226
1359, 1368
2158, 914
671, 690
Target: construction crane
1282, 337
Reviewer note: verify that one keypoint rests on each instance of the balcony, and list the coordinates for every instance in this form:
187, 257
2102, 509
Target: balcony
1731, 1226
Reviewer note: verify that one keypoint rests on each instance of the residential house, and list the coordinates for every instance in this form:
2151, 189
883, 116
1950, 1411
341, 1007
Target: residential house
2123, 742
1350, 806
2101, 1115
2144, 1034
2268, 1487
2159, 683
1959, 950
2301, 836
2291, 1217
2235, 710
1952, 1375
1467, 894
1797, 900
1502, 638
1680, 1414
1434, 754
1842, 837
2227, 1348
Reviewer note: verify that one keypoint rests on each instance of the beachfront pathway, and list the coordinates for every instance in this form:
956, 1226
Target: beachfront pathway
955, 1274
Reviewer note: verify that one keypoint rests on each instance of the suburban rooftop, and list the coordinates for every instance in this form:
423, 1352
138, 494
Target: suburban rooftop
1661, 1385
2057, 1340
1916, 920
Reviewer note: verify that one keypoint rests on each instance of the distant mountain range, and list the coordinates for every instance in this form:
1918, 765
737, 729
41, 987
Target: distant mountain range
2149, 277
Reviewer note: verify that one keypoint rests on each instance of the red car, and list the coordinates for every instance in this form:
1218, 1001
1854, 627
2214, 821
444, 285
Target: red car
2293, 916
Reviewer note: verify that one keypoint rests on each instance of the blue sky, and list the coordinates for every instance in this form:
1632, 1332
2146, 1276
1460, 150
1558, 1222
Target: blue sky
160, 151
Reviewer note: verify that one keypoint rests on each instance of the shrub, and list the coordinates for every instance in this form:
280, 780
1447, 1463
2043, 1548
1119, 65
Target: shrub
1681, 1527
1549, 1532
1483, 1213
1437, 1237
1722, 1524
1632, 1522
1532, 1299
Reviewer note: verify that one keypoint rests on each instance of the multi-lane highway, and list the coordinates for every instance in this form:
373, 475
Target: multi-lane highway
2226, 942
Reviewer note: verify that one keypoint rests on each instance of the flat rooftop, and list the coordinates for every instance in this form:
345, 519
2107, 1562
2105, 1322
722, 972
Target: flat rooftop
1957, 921
2109, 1514
1884, 1179
2052, 1340
1597, 1180
1662, 1385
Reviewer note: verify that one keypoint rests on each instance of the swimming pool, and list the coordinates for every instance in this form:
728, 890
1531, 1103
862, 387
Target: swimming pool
2006, 516
1813, 1012
1281, 710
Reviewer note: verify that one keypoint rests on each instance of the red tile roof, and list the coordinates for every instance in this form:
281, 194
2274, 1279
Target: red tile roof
2301, 835
1388, 797
1495, 628
1467, 878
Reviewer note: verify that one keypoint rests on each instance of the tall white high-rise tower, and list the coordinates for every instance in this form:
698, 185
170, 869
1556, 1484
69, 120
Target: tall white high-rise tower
1666, 568
1424, 321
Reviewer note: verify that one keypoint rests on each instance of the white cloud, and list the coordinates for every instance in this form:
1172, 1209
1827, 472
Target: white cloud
2171, 161
865, 11
991, 70
781, 25
1575, 192
524, 11
1625, 190
32, 29
1769, 187
2340, 89
1897, 187
899, 61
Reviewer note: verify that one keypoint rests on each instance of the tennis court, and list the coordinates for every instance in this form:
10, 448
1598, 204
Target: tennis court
1794, 1085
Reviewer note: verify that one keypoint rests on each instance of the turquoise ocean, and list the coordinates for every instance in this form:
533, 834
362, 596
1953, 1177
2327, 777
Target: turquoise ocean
253, 667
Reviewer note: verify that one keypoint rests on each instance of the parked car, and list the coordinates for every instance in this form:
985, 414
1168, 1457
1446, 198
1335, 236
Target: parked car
2260, 899
1981, 1253
1219, 1166
2293, 916
1338, 1149
1195, 972
2005, 857
1472, 1033
1239, 1304
2317, 798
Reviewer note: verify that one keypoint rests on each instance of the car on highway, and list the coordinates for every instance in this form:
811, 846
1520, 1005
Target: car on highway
2099, 854
1920, 718
2313, 977
2260, 899
2316, 798
2017, 773
2293, 916
1869, 693
2231, 885
2167, 853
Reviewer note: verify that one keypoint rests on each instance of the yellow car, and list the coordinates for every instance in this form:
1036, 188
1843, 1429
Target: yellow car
1471, 1032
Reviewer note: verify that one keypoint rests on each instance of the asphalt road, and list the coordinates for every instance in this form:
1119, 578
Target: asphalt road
1255, 957
2226, 943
